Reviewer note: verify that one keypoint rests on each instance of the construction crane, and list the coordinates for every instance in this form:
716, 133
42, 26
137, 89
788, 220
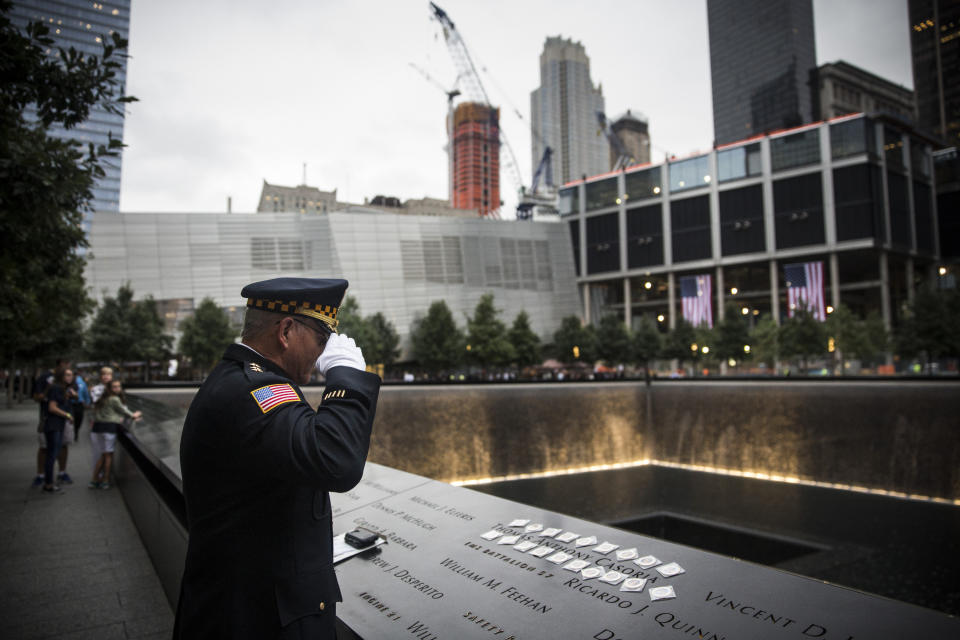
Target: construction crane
533, 200
473, 87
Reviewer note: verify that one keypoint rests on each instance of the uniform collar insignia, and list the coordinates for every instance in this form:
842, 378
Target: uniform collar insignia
255, 367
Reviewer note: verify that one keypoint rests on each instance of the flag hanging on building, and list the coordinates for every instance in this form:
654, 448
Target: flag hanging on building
805, 288
695, 296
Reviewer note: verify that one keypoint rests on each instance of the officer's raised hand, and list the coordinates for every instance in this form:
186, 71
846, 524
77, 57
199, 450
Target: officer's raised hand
340, 351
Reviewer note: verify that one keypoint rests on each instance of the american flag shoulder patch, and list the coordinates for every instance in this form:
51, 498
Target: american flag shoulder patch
273, 395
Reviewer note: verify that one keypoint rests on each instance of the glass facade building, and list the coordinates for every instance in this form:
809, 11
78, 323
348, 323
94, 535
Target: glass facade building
564, 113
84, 26
761, 55
855, 193
396, 264
935, 48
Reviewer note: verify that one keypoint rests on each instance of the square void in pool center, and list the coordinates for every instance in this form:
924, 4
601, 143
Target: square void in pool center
724, 539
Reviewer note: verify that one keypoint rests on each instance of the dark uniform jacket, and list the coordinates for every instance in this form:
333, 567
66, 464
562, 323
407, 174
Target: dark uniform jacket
257, 464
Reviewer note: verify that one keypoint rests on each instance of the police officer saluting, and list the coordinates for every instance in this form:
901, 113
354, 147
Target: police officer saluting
258, 463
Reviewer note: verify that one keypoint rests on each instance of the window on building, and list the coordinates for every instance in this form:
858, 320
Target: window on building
900, 229
575, 242
919, 159
858, 202
569, 200
798, 211
689, 174
851, 137
645, 236
603, 244
923, 216
893, 148
741, 221
795, 150
690, 229
602, 193
643, 184
739, 162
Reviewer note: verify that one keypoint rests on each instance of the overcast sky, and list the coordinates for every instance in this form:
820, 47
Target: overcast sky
234, 92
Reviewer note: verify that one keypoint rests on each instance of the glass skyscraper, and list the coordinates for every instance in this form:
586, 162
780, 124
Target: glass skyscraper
935, 46
84, 25
564, 113
761, 56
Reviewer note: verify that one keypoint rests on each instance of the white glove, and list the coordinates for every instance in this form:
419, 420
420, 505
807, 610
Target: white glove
340, 351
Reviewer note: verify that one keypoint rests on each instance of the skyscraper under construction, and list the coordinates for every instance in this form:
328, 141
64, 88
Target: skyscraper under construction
476, 157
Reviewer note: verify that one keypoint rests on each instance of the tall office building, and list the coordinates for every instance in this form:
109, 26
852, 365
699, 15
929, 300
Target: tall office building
761, 56
633, 131
564, 113
935, 46
84, 25
476, 157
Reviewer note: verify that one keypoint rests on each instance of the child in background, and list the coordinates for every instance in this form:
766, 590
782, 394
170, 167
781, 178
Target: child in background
108, 416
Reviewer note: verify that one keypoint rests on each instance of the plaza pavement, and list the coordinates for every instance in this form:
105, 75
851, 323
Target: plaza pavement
72, 564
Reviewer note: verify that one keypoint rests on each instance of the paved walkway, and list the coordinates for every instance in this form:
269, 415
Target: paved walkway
72, 565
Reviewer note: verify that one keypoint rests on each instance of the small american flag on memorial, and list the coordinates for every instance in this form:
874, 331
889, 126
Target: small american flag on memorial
805, 288
272, 395
695, 296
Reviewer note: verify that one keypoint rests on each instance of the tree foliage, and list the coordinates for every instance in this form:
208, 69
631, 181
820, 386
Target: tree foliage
927, 328
382, 342
125, 330
375, 335
438, 344
678, 342
45, 185
573, 342
487, 342
803, 337
206, 334
765, 341
731, 334
853, 337
613, 340
526, 343
646, 343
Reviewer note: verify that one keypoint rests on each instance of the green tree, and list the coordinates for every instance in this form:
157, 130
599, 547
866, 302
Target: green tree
45, 185
765, 341
573, 342
803, 337
678, 342
487, 341
124, 330
852, 337
526, 343
731, 335
438, 344
927, 327
383, 342
613, 340
876, 339
206, 334
846, 329
646, 343
351, 323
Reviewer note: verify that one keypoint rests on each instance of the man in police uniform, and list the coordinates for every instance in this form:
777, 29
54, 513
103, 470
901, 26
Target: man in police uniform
258, 462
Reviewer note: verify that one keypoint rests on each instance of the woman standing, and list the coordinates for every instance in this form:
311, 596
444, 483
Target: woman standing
59, 400
108, 416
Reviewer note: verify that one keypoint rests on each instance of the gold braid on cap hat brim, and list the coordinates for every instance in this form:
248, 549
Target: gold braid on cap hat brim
327, 314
